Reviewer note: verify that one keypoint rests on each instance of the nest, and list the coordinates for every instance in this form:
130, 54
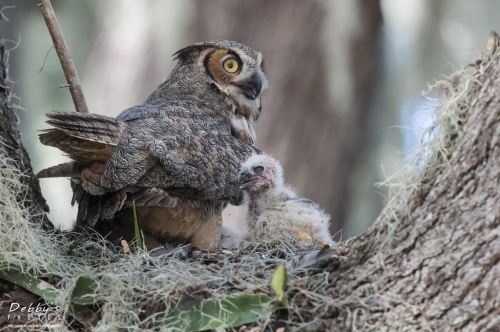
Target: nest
155, 290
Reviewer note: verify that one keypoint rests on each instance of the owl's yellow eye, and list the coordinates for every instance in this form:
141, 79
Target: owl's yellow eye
231, 65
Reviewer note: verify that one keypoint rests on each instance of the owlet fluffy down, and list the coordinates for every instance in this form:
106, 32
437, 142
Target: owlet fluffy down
273, 208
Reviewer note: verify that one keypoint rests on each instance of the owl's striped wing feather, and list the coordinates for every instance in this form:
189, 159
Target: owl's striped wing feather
87, 126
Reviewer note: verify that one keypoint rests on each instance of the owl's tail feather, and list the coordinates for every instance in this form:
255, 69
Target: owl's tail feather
71, 169
88, 126
84, 137
78, 149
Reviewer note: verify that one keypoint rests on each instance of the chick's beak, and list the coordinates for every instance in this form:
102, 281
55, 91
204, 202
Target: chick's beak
244, 177
247, 179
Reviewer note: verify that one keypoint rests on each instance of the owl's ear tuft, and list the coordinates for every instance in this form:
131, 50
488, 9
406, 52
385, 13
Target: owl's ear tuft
187, 54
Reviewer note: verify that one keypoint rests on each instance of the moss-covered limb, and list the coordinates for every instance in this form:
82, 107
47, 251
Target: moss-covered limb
432, 259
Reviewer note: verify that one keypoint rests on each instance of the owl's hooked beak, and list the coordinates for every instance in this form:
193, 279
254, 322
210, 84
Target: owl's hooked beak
251, 87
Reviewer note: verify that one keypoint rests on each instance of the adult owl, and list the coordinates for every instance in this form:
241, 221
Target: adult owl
176, 155
273, 208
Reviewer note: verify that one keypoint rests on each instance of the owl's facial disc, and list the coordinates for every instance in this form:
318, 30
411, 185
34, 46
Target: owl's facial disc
238, 75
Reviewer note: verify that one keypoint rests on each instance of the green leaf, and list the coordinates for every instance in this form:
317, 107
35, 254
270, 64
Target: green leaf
85, 291
279, 283
138, 239
202, 315
34, 285
72, 246
47, 292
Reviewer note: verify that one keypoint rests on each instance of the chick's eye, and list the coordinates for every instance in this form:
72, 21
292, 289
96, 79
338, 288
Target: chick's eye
258, 169
231, 65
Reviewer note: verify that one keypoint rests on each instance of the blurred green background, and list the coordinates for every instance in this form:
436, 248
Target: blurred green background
344, 108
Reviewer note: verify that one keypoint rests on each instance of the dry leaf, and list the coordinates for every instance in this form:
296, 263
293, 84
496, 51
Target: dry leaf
264, 289
324, 245
237, 277
126, 248
301, 299
342, 251
310, 259
176, 296
300, 283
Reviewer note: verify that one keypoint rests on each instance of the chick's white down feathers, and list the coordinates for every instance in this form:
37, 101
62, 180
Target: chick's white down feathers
273, 209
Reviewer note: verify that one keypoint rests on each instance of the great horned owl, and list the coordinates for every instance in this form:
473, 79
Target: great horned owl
274, 210
176, 155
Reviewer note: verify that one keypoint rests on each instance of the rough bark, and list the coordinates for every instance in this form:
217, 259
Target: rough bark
431, 261
314, 137
13, 149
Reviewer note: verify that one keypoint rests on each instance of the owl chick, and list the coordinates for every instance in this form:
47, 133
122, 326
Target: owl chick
274, 210
231, 238
176, 156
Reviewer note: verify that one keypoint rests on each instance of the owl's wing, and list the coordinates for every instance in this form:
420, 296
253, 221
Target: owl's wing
303, 200
302, 214
205, 167
305, 206
139, 112
150, 197
91, 208
178, 146
179, 150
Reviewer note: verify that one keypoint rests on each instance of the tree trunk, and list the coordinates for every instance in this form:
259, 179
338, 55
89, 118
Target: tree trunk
431, 261
12, 151
319, 140
12, 148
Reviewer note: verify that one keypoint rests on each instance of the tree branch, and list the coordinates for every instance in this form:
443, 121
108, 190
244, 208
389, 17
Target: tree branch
63, 54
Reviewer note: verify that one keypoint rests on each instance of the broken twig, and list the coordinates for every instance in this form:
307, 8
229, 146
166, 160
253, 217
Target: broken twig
63, 54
